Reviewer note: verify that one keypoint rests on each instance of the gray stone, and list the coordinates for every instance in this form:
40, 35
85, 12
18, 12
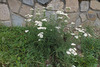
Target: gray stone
25, 10
29, 2
97, 23
83, 17
4, 12
51, 14
55, 5
78, 22
14, 5
84, 6
99, 15
91, 15
18, 20
6, 23
73, 4
95, 5
38, 9
43, 1
3, 1
73, 17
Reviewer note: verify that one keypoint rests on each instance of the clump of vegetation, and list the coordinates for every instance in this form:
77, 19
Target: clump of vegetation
48, 43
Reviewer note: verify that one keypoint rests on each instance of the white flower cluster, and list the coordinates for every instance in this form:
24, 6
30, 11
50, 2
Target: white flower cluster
73, 66
38, 23
40, 34
26, 31
80, 30
72, 51
62, 13
39, 28
57, 27
44, 20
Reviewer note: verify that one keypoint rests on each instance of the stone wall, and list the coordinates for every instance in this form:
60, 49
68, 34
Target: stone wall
12, 12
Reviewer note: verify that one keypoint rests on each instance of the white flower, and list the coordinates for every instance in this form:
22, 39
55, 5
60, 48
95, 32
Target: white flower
41, 28
26, 31
60, 17
68, 52
31, 9
72, 51
73, 66
80, 25
59, 12
85, 34
28, 20
76, 37
39, 39
72, 34
40, 34
81, 31
44, 20
30, 15
57, 27
73, 44
65, 21
38, 13
72, 23
75, 49
38, 23
89, 35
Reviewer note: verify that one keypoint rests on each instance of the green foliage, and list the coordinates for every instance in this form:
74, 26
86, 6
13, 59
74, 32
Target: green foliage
33, 46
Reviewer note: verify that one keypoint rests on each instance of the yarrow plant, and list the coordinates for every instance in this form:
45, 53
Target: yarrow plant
48, 42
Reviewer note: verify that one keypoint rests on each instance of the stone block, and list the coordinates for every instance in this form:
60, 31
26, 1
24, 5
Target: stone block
18, 20
73, 17
43, 1
99, 15
38, 9
78, 22
83, 17
97, 23
91, 15
55, 5
29, 2
73, 4
4, 12
51, 14
14, 5
95, 5
25, 10
84, 6
6, 23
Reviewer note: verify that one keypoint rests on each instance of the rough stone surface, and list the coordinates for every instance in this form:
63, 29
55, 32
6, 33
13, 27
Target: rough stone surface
83, 17
73, 17
38, 9
55, 5
43, 1
29, 2
3, 1
91, 15
99, 15
14, 5
4, 12
73, 4
51, 13
78, 22
6, 23
18, 20
84, 6
97, 23
25, 10
95, 5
